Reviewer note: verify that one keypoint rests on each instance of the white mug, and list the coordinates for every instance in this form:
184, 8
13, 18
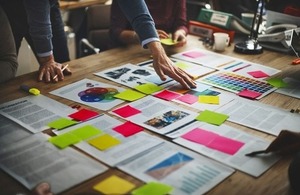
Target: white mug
221, 40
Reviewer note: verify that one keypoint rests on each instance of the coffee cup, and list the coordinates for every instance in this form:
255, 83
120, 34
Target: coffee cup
221, 41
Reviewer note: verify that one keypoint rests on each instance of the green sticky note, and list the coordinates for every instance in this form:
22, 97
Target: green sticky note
211, 117
153, 188
182, 65
277, 82
168, 42
104, 142
148, 88
129, 95
209, 99
64, 140
114, 185
85, 132
61, 123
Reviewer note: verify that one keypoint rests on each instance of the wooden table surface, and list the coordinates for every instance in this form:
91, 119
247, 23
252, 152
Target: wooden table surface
274, 181
67, 5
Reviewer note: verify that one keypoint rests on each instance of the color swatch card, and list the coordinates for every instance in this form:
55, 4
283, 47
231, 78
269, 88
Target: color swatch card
187, 172
131, 75
156, 114
236, 83
91, 93
109, 140
227, 145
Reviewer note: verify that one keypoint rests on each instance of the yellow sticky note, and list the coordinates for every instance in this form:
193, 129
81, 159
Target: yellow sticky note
114, 185
182, 65
129, 95
209, 99
61, 123
64, 140
212, 117
168, 42
148, 88
85, 132
104, 142
153, 188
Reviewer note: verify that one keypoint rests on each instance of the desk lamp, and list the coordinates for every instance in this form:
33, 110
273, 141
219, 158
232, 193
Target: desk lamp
251, 45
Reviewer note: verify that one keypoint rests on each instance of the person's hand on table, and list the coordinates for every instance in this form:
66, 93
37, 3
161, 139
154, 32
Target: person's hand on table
162, 34
287, 142
49, 69
179, 37
164, 66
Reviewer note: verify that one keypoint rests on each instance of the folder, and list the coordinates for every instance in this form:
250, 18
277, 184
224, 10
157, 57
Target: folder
223, 20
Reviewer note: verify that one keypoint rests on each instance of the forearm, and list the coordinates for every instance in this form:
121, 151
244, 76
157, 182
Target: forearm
129, 37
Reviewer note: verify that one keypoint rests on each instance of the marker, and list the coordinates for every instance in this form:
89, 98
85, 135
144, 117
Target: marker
241, 68
256, 152
33, 91
66, 66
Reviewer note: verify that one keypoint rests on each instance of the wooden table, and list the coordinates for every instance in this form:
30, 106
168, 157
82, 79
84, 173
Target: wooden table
274, 181
67, 5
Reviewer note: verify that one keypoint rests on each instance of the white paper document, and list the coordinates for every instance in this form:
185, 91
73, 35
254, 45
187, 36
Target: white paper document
228, 145
260, 116
91, 93
157, 115
132, 75
34, 112
127, 148
11, 132
224, 62
33, 160
187, 172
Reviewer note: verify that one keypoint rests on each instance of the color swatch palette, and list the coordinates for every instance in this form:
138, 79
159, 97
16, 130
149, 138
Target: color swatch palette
236, 83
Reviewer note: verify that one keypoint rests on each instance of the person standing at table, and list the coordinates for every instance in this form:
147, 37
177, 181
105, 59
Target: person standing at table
138, 15
8, 54
40, 23
169, 17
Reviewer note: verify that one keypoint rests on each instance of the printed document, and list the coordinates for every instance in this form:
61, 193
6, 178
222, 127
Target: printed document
91, 93
229, 146
34, 112
187, 172
127, 148
157, 115
34, 159
260, 116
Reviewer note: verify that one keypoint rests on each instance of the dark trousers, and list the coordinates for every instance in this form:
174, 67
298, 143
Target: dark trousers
17, 16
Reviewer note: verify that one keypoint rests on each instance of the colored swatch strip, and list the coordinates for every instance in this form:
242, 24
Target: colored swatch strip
213, 141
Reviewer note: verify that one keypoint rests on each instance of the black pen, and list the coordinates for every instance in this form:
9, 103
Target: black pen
256, 152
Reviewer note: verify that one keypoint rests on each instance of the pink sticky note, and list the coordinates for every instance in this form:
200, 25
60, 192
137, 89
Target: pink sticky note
128, 128
188, 98
200, 136
167, 95
193, 54
249, 94
258, 74
126, 111
226, 145
83, 115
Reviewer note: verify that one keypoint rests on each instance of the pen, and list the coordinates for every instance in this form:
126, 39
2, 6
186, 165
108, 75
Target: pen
66, 66
256, 152
241, 68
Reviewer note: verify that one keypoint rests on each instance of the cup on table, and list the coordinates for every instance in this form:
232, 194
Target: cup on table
221, 41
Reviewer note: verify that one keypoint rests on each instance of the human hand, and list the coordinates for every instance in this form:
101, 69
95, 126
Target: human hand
164, 66
287, 142
50, 70
162, 34
179, 37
